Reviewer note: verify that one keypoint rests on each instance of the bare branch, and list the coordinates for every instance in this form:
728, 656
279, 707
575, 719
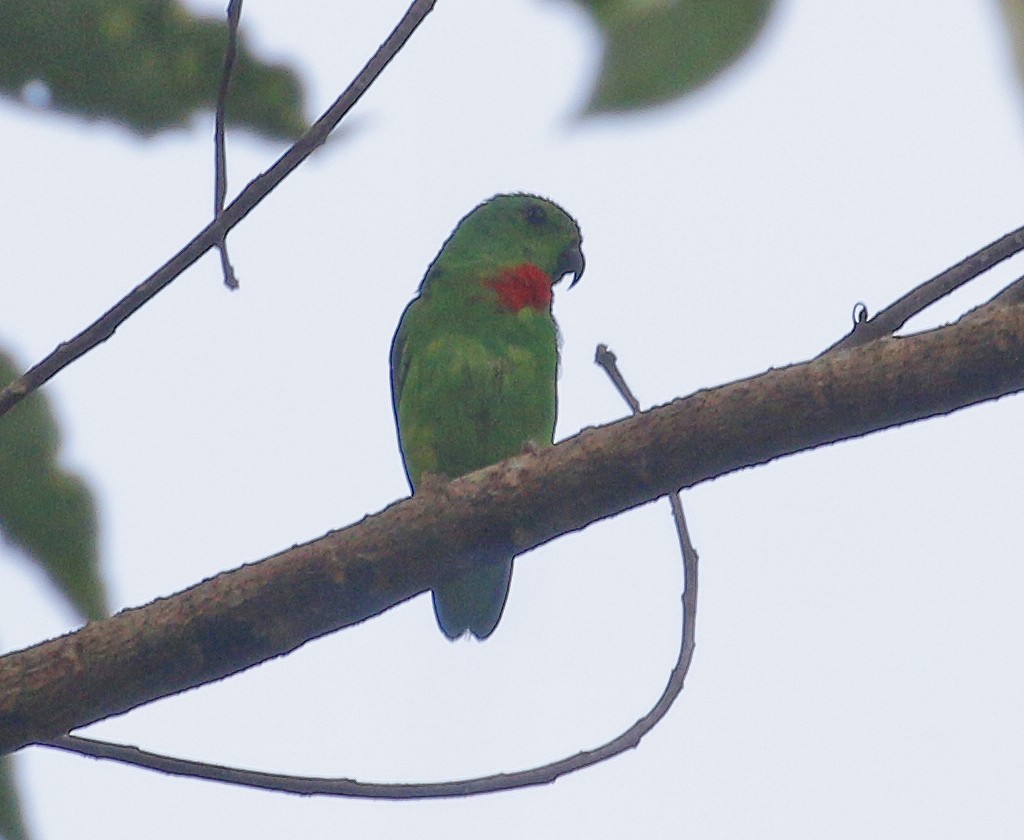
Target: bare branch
916, 300
266, 609
256, 190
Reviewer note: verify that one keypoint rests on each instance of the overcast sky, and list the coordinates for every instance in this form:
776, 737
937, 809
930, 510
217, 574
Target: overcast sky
858, 661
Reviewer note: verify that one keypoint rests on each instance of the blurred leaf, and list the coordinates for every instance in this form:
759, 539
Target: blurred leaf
46, 511
658, 50
1013, 12
12, 826
147, 64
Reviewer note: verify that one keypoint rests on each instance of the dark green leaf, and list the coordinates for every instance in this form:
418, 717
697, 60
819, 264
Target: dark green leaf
147, 64
659, 50
46, 511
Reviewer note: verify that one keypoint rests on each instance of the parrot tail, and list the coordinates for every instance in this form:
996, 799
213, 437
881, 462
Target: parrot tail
473, 602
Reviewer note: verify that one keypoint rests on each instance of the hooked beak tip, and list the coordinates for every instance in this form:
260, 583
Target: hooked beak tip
573, 263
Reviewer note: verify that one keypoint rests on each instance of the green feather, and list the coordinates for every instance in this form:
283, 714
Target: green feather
473, 381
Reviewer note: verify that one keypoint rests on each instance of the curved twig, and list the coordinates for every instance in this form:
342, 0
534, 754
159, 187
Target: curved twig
313, 785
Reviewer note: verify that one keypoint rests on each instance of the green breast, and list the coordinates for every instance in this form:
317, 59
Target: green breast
474, 386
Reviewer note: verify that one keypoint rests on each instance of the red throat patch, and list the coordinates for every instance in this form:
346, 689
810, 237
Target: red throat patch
523, 285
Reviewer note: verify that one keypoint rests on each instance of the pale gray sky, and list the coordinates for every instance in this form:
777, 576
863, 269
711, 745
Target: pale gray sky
857, 670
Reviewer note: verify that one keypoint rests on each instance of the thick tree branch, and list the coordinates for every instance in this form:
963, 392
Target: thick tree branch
246, 616
213, 234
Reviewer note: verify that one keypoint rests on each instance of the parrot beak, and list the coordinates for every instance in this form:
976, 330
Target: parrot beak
571, 262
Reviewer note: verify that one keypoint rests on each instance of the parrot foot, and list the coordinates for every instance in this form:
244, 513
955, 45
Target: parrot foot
531, 447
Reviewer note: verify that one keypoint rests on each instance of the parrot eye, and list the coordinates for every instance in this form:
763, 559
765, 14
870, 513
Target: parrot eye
536, 215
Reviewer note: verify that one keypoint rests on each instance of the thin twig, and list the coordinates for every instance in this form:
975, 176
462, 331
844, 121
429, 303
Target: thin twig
310, 785
606, 359
226, 268
257, 189
220, 165
916, 300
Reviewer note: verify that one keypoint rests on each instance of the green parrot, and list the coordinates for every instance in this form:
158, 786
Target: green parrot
474, 362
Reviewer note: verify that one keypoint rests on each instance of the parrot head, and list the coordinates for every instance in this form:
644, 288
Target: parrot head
517, 228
